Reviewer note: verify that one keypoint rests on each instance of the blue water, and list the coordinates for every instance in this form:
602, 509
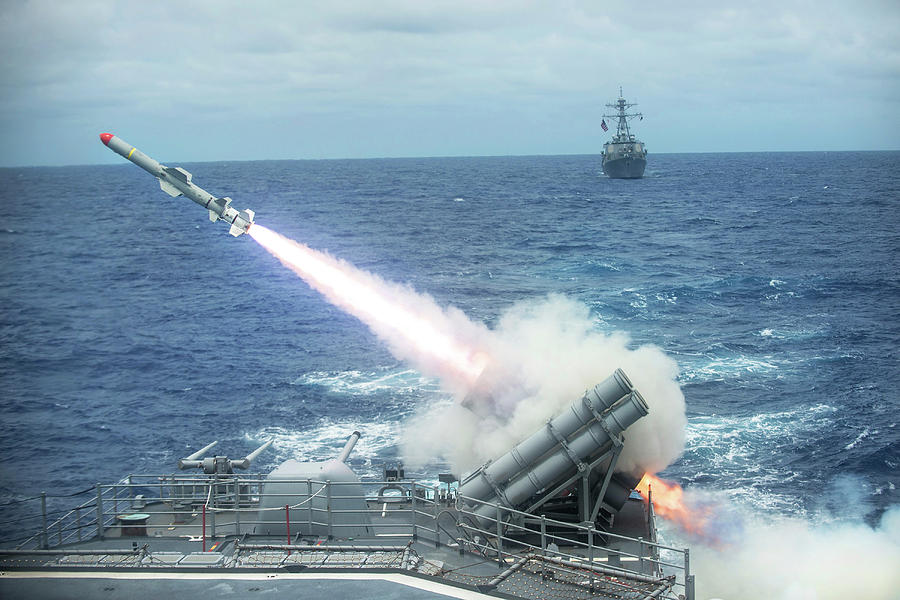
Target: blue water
133, 330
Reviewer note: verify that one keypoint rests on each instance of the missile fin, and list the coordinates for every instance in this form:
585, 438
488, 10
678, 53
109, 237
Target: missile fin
169, 188
179, 173
175, 182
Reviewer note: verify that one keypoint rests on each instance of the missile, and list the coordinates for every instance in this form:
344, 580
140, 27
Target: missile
175, 181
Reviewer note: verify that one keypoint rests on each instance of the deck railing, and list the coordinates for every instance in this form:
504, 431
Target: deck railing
508, 531
231, 505
214, 508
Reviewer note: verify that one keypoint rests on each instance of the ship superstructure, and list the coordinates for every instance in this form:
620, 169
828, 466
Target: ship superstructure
624, 157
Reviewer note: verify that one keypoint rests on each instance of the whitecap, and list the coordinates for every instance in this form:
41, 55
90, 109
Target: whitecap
325, 440
717, 369
640, 301
363, 383
858, 439
667, 298
882, 488
731, 449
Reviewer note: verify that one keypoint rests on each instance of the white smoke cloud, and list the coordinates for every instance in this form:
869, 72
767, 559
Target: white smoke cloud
791, 559
544, 355
741, 553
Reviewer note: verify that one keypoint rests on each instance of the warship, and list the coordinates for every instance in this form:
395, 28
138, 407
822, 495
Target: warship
624, 157
550, 518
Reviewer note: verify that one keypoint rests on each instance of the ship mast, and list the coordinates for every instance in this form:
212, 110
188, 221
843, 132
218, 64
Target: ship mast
621, 106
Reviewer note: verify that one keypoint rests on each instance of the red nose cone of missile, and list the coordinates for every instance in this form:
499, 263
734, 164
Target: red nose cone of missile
105, 137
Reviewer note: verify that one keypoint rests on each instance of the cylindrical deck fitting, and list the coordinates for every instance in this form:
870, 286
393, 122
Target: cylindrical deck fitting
348, 447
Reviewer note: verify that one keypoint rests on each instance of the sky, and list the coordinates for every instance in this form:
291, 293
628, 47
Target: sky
224, 80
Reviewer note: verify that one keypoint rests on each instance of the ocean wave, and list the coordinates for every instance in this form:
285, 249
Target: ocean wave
865, 433
719, 369
786, 333
326, 439
748, 457
364, 383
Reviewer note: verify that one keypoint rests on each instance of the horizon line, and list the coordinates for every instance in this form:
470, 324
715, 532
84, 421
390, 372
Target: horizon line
431, 157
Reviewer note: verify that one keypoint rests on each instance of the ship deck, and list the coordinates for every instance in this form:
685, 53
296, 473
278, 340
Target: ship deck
415, 546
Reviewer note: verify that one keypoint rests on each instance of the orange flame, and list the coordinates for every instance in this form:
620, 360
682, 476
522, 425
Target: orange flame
669, 503
364, 296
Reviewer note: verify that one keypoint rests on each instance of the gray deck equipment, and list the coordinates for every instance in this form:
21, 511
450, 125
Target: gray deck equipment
563, 455
303, 488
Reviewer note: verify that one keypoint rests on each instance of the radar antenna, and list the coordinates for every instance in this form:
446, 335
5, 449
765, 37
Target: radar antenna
623, 133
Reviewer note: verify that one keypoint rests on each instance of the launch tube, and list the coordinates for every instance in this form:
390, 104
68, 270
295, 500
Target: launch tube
556, 466
584, 410
348, 447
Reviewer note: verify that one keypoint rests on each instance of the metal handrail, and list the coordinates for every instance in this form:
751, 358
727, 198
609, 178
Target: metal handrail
196, 491
238, 495
653, 546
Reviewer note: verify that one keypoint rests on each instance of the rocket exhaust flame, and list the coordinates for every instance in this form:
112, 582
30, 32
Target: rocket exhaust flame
413, 324
669, 502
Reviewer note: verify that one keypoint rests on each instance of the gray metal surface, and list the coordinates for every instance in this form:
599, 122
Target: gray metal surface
219, 464
320, 509
551, 459
546, 473
624, 168
580, 413
422, 537
330, 534
215, 586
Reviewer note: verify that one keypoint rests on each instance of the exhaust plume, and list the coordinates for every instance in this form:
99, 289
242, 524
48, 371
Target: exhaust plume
703, 519
440, 342
505, 383
739, 555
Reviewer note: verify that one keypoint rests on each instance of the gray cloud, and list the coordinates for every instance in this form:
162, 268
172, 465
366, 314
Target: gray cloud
413, 78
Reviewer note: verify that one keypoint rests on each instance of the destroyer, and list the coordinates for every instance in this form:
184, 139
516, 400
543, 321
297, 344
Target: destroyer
624, 157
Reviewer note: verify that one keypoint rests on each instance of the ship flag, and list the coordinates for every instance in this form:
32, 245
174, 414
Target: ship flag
603, 125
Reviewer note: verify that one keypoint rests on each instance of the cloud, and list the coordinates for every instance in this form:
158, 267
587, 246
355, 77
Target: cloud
547, 68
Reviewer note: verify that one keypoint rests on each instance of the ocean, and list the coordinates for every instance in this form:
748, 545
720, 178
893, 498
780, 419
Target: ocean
134, 331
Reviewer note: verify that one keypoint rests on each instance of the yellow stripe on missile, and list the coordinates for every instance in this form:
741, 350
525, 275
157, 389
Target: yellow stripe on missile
132, 152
